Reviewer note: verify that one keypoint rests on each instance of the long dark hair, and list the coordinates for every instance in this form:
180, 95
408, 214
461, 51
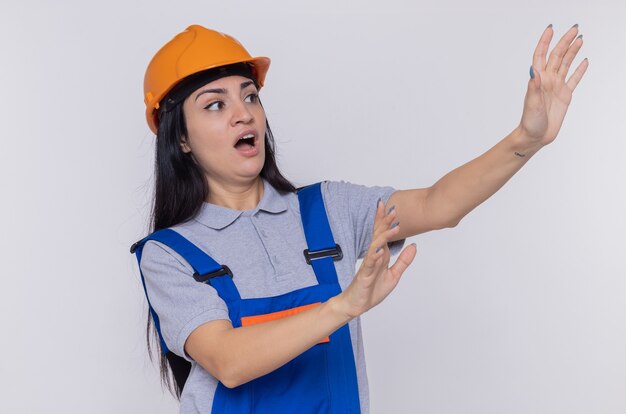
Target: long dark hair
179, 191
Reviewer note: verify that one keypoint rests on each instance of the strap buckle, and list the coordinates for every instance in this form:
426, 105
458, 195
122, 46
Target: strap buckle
225, 270
334, 252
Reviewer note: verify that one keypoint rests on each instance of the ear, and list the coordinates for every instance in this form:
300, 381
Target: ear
184, 145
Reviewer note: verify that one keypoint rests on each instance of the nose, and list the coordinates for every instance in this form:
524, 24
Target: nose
241, 114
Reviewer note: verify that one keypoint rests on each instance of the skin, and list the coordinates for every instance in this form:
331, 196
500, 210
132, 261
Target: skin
236, 356
214, 121
548, 96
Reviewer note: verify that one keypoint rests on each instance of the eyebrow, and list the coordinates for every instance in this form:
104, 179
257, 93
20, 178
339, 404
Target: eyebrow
222, 90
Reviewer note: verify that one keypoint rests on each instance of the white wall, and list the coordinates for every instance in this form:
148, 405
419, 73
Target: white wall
519, 309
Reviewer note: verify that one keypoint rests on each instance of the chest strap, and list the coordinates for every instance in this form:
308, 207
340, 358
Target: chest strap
206, 269
322, 249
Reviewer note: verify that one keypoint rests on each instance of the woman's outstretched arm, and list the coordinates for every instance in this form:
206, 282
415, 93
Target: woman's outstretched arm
547, 99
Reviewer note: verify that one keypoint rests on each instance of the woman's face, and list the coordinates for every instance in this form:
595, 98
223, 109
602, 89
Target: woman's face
226, 130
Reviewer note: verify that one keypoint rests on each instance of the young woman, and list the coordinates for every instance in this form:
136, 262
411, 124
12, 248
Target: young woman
250, 282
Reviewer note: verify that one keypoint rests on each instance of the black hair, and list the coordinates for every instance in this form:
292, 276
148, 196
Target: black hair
179, 191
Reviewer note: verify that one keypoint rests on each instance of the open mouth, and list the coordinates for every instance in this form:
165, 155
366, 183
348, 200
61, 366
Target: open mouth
246, 142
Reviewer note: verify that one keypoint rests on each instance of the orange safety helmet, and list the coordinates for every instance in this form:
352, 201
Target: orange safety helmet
192, 51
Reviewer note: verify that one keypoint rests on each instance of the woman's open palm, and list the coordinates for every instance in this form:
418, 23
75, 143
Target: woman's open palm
549, 93
375, 279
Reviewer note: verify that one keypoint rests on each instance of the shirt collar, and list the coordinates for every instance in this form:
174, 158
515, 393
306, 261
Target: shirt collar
218, 217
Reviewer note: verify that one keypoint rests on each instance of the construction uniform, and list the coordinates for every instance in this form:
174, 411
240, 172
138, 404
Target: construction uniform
263, 250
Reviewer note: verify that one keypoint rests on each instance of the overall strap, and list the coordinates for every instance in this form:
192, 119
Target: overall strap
322, 249
206, 269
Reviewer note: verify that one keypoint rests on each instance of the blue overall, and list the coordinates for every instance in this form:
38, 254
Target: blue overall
321, 379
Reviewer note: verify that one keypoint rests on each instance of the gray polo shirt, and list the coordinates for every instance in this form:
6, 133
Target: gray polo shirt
263, 248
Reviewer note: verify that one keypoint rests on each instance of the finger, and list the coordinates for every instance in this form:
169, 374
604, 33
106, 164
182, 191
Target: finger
572, 51
379, 215
386, 222
405, 258
559, 50
534, 96
539, 56
578, 74
375, 261
380, 242
378, 224
380, 208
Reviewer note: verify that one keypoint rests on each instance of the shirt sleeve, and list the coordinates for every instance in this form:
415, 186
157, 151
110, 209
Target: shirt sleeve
181, 303
356, 205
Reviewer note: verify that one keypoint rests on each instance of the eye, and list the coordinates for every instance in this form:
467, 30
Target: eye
215, 106
253, 97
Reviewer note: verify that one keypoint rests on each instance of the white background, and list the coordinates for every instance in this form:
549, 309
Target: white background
519, 309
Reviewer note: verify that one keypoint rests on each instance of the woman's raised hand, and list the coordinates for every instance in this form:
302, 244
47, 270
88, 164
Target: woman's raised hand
375, 280
549, 94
